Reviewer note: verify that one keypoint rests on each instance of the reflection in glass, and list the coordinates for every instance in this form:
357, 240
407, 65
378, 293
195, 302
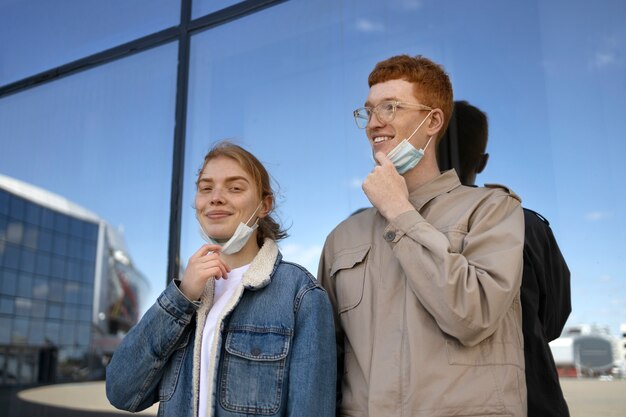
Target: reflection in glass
108, 143
277, 63
83, 28
545, 104
200, 8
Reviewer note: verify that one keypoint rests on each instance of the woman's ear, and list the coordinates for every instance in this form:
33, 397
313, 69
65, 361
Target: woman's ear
267, 203
436, 122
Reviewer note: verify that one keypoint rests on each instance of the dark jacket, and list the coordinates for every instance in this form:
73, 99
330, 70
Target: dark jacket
546, 306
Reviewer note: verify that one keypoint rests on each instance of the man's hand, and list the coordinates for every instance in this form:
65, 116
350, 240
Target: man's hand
203, 265
386, 189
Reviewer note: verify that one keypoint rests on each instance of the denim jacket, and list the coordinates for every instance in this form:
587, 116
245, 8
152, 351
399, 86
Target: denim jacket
274, 352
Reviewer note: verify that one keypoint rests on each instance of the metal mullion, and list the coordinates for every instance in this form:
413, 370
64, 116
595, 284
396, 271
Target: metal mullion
117, 52
230, 13
178, 154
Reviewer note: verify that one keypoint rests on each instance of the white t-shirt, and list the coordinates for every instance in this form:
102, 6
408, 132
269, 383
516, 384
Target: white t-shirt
224, 291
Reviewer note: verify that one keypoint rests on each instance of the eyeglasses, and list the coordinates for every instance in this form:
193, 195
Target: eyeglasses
385, 112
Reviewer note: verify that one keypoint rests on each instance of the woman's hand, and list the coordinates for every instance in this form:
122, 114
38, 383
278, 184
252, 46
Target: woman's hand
206, 263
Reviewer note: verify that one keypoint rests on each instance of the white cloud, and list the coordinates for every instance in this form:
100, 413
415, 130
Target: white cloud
594, 216
602, 60
366, 25
411, 4
307, 256
354, 183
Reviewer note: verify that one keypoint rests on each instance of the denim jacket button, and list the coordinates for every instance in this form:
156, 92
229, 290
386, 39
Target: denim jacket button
390, 236
256, 351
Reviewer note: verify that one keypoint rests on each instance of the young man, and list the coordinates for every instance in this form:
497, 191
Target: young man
426, 284
545, 296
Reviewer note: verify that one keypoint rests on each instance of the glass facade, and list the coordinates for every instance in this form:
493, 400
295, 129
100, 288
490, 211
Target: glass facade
68, 289
47, 269
54, 33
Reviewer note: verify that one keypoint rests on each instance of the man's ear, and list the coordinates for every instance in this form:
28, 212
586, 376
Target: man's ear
436, 122
482, 163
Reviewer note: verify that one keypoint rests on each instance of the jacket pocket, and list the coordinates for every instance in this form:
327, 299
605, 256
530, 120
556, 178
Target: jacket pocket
172, 370
487, 352
348, 272
253, 370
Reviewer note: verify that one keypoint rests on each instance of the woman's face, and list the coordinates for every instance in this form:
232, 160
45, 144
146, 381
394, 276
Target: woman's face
226, 196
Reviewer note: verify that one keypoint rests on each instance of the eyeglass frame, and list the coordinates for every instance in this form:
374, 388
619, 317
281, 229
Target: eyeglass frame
374, 110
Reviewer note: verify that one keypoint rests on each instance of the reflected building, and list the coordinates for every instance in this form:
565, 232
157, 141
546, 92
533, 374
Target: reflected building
587, 351
68, 288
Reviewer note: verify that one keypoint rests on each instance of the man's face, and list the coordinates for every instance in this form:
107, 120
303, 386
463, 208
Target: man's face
383, 137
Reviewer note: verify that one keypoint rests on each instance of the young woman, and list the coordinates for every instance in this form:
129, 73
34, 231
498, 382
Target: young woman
244, 333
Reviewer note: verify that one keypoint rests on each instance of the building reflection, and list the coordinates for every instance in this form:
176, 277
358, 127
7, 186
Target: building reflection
68, 288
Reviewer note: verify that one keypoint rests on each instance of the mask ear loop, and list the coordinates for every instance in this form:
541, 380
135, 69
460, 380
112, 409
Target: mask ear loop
418, 126
255, 212
427, 143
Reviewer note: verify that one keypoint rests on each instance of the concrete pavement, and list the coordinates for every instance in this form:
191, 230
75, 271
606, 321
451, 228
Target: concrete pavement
585, 397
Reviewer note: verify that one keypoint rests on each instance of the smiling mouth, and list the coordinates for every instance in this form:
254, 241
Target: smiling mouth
381, 139
217, 215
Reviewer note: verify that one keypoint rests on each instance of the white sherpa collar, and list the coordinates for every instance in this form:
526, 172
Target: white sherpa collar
260, 271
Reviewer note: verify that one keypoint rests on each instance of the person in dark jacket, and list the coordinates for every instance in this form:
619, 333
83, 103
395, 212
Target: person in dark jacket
545, 293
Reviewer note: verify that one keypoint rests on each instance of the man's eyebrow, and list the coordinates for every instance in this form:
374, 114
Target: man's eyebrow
392, 98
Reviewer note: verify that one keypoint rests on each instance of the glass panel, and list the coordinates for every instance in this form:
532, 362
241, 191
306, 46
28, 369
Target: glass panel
8, 282
27, 260
20, 331
200, 8
53, 330
54, 310
10, 256
36, 333
4, 202
23, 306
40, 288
40, 34
5, 330
56, 290
283, 83
6, 305
25, 285
106, 134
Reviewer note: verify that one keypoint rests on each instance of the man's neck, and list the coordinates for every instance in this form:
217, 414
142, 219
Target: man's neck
424, 172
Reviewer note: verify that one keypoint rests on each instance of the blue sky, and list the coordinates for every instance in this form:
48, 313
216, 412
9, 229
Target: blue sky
283, 82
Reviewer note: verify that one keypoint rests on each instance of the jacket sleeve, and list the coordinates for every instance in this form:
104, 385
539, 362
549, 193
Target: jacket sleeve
312, 369
467, 293
546, 272
135, 371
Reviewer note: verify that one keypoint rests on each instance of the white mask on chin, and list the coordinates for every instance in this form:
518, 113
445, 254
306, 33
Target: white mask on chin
238, 240
404, 156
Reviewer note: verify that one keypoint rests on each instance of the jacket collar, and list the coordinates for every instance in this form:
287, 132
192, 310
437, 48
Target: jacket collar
262, 266
444, 183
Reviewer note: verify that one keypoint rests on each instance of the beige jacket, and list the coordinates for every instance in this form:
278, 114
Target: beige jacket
428, 306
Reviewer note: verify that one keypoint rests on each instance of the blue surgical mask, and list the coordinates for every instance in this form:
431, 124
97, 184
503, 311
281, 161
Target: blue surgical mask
404, 156
238, 240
